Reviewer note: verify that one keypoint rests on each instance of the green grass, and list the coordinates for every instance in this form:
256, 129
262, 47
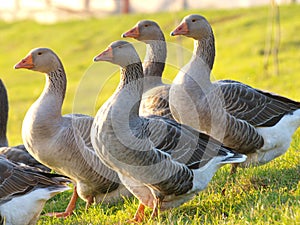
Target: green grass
268, 194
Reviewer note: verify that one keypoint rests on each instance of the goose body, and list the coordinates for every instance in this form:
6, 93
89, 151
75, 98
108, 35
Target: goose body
24, 192
63, 142
156, 94
162, 162
246, 119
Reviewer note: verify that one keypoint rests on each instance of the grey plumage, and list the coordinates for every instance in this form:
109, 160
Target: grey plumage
25, 186
159, 160
246, 119
63, 142
156, 94
19, 154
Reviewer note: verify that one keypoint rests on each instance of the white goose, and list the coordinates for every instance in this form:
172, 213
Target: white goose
156, 94
63, 142
250, 121
162, 162
24, 192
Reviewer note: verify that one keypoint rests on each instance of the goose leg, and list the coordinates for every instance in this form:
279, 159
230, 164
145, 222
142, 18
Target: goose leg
234, 167
90, 201
70, 208
156, 207
139, 214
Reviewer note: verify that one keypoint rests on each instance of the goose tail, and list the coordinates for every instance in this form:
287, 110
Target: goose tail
233, 157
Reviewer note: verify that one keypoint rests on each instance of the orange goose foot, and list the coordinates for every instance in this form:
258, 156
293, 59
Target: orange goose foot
70, 208
90, 201
139, 215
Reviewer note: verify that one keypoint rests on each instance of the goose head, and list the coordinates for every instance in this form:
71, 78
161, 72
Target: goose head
145, 30
194, 26
121, 53
40, 59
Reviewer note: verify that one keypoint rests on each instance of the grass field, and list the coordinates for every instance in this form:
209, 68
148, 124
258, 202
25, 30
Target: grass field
268, 194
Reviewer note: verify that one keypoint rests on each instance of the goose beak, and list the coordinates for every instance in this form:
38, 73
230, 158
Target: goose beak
26, 63
133, 33
106, 55
182, 29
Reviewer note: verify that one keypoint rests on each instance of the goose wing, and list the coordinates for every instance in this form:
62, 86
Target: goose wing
176, 149
257, 107
19, 154
156, 102
185, 144
18, 180
82, 124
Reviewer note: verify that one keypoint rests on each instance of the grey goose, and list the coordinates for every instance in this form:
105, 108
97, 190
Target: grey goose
63, 142
251, 121
163, 163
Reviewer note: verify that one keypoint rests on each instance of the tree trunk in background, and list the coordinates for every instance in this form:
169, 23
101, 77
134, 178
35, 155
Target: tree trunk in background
125, 6
87, 5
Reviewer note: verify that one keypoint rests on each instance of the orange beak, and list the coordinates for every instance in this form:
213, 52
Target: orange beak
106, 55
26, 63
133, 33
182, 29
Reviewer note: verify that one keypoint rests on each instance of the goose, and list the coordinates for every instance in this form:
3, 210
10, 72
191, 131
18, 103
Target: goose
24, 192
13, 153
156, 93
62, 143
254, 122
162, 162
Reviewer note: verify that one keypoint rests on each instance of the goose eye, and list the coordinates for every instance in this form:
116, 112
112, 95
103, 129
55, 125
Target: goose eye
39, 53
146, 25
193, 20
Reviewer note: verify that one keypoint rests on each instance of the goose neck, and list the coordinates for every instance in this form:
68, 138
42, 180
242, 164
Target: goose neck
130, 90
3, 115
199, 68
54, 91
154, 62
204, 49
3, 138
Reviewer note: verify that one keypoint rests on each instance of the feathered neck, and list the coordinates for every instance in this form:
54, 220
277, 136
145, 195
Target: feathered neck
154, 63
200, 66
205, 49
54, 91
130, 89
131, 77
